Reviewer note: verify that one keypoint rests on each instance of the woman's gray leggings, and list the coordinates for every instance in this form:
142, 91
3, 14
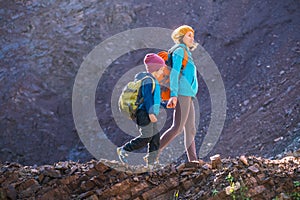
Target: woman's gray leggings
183, 120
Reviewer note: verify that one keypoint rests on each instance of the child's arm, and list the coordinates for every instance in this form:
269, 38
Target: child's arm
148, 96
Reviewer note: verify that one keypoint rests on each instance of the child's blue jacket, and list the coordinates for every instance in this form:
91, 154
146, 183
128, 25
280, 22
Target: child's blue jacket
151, 103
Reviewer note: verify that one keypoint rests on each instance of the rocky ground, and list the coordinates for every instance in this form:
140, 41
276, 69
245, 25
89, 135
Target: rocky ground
240, 178
255, 45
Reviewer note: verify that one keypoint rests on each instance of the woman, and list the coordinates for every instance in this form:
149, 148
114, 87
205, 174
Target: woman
183, 86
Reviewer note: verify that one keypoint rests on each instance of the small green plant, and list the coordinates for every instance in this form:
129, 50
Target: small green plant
236, 190
214, 192
176, 195
229, 178
296, 195
230, 190
296, 183
243, 190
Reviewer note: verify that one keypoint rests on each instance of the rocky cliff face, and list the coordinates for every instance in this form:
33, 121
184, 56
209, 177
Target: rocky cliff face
255, 45
243, 178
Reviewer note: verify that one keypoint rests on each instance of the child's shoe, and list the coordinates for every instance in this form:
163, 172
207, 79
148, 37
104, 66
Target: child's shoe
122, 155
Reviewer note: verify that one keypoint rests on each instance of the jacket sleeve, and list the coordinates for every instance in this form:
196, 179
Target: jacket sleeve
151, 99
147, 94
177, 57
156, 98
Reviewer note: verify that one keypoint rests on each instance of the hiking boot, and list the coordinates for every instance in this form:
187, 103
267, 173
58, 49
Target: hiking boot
122, 155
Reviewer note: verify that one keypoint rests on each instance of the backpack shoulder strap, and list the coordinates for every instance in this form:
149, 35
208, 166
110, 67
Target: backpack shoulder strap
140, 98
185, 59
185, 56
153, 82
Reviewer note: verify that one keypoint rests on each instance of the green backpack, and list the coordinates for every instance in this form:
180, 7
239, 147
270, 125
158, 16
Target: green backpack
131, 97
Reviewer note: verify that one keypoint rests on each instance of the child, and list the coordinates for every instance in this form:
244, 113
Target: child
147, 112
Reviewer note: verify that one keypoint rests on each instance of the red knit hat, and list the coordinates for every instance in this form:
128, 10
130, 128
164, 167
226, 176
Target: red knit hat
153, 62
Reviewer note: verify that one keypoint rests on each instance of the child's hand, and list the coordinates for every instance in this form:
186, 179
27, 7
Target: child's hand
152, 118
172, 102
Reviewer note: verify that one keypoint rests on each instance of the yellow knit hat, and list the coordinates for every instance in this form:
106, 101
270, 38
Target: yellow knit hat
179, 32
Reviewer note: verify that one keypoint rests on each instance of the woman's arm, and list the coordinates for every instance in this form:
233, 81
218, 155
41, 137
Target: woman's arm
177, 58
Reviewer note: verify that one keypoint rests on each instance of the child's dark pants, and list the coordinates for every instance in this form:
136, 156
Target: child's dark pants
148, 135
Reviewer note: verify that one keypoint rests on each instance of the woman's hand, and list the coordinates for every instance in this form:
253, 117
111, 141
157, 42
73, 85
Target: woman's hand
172, 102
152, 118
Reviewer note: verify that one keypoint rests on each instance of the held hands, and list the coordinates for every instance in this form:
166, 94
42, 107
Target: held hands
172, 102
152, 118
